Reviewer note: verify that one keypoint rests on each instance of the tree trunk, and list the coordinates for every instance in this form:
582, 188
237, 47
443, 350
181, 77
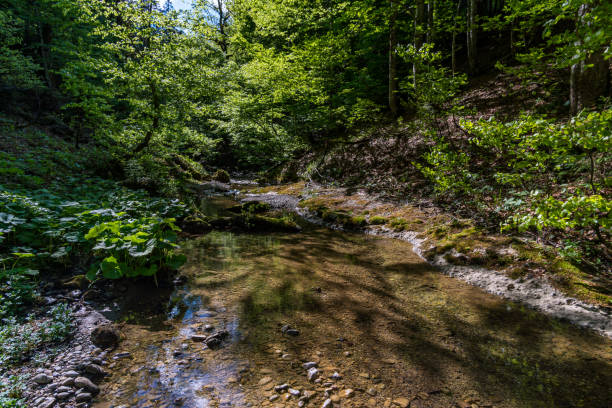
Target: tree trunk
590, 78
419, 23
431, 4
155, 104
393, 99
471, 36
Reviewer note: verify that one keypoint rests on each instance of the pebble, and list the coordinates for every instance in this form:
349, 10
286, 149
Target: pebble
42, 379
199, 338
281, 388
47, 402
95, 370
63, 395
124, 354
294, 392
347, 393
313, 374
401, 402
68, 382
336, 376
309, 365
327, 403
85, 383
71, 374
83, 397
265, 380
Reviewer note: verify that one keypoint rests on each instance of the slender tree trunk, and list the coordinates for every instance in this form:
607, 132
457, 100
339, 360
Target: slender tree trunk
155, 104
454, 40
393, 98
419, 26
590, 78
222, 21
431, 4
471, 36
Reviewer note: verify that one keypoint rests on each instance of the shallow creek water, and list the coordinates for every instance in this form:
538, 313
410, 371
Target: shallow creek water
367, 308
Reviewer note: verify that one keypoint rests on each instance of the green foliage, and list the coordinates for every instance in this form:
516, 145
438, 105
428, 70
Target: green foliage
547, 175
11, 392
134, 247
19, 339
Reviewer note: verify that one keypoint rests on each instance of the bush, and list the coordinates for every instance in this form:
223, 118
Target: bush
221, 176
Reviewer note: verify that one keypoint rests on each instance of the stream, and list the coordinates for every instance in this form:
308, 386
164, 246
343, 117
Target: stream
382, 327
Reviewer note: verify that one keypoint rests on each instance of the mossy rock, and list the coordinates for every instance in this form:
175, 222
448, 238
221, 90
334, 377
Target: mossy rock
377, 220
266, 224
255, 207
196, 225
221, 176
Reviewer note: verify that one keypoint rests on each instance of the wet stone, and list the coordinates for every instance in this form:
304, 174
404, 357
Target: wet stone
309, 365
281, 388
313, 374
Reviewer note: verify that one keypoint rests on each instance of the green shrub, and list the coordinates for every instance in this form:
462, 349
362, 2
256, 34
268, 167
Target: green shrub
221, 176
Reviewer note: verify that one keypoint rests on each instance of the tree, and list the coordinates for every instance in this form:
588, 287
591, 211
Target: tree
393, 80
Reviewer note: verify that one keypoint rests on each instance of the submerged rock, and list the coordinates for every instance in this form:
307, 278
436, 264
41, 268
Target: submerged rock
105, 336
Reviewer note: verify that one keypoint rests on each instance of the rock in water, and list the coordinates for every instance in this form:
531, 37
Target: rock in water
313, 373
105, 336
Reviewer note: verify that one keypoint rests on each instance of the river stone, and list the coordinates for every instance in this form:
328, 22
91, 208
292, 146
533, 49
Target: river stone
86, 384
313, 374
42, 379
68, 382
347, 393
63, 395
213, 342
63, 389
83, 397
71, 374
47, 403
105, 336
402, 402
281, 388
198, 338
309, 365
94, 370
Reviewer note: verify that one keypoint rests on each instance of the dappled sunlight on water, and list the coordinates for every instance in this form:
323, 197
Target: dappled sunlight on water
366, 307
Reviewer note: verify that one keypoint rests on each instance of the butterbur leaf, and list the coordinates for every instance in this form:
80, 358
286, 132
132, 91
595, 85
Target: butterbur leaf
110, 268
95, 231
147, 271
92, 273
63, 251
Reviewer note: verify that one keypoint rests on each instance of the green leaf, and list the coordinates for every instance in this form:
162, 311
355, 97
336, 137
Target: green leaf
110, 268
